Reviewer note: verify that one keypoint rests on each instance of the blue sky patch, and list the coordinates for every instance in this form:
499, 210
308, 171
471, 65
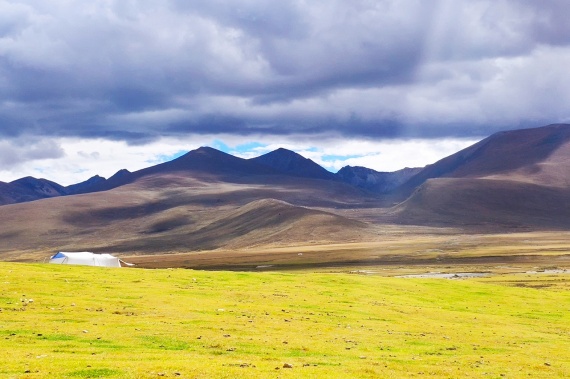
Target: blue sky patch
166, 157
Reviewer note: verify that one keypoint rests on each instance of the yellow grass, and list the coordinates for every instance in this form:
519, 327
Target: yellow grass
82, 322
412, 249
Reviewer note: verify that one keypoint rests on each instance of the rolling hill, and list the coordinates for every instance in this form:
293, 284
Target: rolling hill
528, 155
511, 179
206, 200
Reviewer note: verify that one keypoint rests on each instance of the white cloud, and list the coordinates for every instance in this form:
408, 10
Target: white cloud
85, 158
82, 159
393, 155
380, 155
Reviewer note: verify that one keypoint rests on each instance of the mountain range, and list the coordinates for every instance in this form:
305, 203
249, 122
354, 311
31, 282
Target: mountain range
206, 160
207, 199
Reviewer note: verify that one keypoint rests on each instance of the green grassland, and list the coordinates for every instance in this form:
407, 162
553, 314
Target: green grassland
85, 322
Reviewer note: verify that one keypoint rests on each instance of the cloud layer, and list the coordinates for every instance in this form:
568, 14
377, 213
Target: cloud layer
68, 160
137, 70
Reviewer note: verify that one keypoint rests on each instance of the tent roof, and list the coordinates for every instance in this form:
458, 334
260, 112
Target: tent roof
87, 258
81, 254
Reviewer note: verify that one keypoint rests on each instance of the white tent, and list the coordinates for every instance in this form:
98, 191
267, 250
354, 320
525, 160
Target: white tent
87, 259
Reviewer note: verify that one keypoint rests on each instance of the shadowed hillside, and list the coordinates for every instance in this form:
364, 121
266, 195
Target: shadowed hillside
265, 222
375, 181
291, 163
483, 202
29, 189
511, 179
524, 151
177, 212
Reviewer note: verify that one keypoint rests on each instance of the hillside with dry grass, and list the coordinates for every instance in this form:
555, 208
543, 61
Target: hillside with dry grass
509, 180
175, 212
207, 200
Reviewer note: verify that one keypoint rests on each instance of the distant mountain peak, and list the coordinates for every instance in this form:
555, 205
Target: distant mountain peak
31, 181
120, 177
283, 150
375, 181
509, 155
86, 186
26, 179
120, 173
292, 163
29, 188
206, 150
203, 153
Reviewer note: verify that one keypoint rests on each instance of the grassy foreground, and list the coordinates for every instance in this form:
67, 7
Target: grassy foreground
83, 322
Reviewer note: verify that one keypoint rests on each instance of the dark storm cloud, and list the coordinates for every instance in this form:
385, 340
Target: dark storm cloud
22, 150
136, 70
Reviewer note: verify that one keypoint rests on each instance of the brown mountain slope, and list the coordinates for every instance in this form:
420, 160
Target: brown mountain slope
173, 212
291, 163
204, 162
376, 181
266, 222
29, 189
527, 155
512, 179
493, 204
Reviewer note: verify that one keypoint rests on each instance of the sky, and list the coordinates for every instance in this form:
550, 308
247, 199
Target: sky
89, 88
